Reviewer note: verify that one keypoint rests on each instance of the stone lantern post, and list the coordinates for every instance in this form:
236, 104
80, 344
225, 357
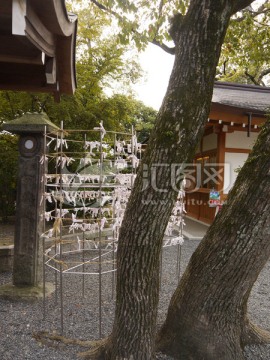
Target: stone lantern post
27, 268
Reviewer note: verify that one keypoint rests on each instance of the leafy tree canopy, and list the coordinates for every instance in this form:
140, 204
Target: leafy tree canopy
245, 56
246, 50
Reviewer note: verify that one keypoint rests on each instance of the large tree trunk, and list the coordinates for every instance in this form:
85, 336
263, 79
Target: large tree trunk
198, 38
207, 317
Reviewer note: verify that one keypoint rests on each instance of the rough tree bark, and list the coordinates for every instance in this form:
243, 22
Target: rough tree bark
198, 37
207, 317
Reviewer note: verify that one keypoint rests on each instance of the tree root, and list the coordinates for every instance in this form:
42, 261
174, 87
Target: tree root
253, 335
48, 339
98, 348
100, 351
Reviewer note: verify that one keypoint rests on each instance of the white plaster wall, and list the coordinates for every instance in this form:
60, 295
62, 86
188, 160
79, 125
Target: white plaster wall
240, 140
18, 17
232, 161
209, 142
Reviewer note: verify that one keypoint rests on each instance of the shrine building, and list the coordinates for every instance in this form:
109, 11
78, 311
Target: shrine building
237, 114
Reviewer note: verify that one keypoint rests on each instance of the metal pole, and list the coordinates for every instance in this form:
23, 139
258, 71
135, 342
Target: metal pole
100, 235
84, 212
114, 232
60, 222
178, 266
44, 222
55, 243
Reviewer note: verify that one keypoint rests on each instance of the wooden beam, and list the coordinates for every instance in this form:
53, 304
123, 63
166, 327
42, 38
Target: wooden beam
38, 34
32, 31
231, 128
236, 115
9, 69
31, 85
5, 17
6, 8
38, 60
239, 151
15, 44
54, 15
23, 77
66, 65
236, 118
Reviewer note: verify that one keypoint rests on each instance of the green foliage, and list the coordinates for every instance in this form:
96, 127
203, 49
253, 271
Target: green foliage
102, 61
8, 174
245, 54
14, 104
101, 58
246, 50
144, 118
141, 21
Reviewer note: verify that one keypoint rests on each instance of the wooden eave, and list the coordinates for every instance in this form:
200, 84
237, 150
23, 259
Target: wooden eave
37, 53
54, 14
238, 115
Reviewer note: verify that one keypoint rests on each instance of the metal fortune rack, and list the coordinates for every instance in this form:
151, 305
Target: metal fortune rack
87, 182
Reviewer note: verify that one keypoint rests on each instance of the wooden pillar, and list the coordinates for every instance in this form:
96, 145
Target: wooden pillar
221, 159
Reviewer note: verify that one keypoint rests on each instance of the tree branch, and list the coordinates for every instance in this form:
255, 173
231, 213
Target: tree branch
262, 74
263, 9
169, 50
106, 9
163, 46
252, 78
240, 5
155, 42
224, 67
259, 81
159, 16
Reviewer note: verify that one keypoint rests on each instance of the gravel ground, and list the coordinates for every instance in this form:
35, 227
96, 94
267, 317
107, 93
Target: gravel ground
7, 233
19, 321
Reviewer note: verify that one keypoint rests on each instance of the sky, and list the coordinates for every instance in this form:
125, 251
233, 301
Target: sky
157, 66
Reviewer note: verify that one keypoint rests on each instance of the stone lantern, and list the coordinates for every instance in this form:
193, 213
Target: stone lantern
27, 268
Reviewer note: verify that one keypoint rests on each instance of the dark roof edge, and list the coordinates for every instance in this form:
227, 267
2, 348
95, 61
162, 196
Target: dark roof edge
244, 87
